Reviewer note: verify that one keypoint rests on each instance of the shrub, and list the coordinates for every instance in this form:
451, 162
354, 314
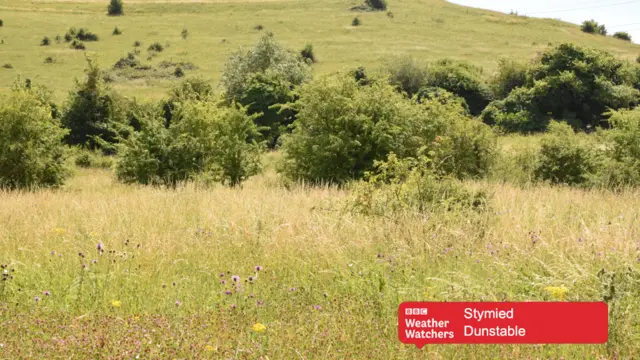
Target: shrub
156, 46
31, 149
77, 45
91, 112
194, 89
48, 60
86, 35
462, 79
1, 23
265, 56
68, 37
116, 31
45, 41
377, 4
411, 185
621, 163
130, 61
342, 128
307, 53
263, 96
511, 74
7, 66
592, 27
58, 38
205, 141
137, 43
86, 158
178, 72
567, 82
184, 34
563, 158
115, 8
258, 27
622, 35
355, 21
407, 75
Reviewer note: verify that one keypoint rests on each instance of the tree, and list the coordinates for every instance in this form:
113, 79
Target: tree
92, 110
115, 8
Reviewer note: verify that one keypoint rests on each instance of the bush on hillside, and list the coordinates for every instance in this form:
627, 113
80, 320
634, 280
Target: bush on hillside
622, 35
1, 23
263, 97
116, 31
343, 127
462, 79
194, 89
203, 141
567, 82
380, 5
442, 96
407, 74
45, 41
563, 158
356, 21
115, 8
156, 47
411, 185
92, 110
511, 74
77, 45
621, 164
31, 150
592, 27
307, 53
86, 158
266, 55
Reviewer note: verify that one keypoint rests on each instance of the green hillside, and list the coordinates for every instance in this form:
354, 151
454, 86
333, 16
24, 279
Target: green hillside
427, 29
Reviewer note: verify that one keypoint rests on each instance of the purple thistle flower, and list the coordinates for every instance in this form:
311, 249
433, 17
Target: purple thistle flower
233, 306
223, 281
100, 247
292, 289
94, 261
178, 302
251, 296
317, 307
47, 293
251, 279
235, 278
221, 274
260, 302
258, 268
228, 292
36, 299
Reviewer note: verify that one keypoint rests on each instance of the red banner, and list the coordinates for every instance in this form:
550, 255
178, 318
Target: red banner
423, 323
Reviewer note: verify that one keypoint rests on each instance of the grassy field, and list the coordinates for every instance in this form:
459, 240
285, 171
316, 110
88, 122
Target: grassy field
427, 29
330, 281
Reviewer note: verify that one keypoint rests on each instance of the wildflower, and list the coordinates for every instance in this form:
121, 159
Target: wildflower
317, 307
292, 289
36, 299
47, 293
251, 296
100, 247
258, 268
223, 281
259, 302
209, 348
228, 292
94, 261
258, 327
116, 303
235, 278
221, 274
178, 302
557, 292
251, 279
233, 306
59, 231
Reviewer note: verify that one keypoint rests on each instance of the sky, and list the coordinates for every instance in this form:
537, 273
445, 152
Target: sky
616, 15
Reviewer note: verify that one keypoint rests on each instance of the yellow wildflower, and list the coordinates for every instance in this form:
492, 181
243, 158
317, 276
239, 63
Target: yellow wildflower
210, 348
59, 231
557, 292
116, 303
258, 327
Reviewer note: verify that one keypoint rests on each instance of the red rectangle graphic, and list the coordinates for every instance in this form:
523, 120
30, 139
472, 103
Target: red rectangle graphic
422, 323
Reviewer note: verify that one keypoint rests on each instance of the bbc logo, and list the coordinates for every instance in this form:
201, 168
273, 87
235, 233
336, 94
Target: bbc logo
416, 311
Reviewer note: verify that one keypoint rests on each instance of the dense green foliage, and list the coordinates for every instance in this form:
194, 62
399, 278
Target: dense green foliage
203, 141
511, 74
407, 74
343, 127
567, 82
592, 27
380, 5
622, 35
193, 89
91, 109
31, 149
115, 8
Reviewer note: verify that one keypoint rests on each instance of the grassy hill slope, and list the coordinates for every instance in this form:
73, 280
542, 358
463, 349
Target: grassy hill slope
427, 29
